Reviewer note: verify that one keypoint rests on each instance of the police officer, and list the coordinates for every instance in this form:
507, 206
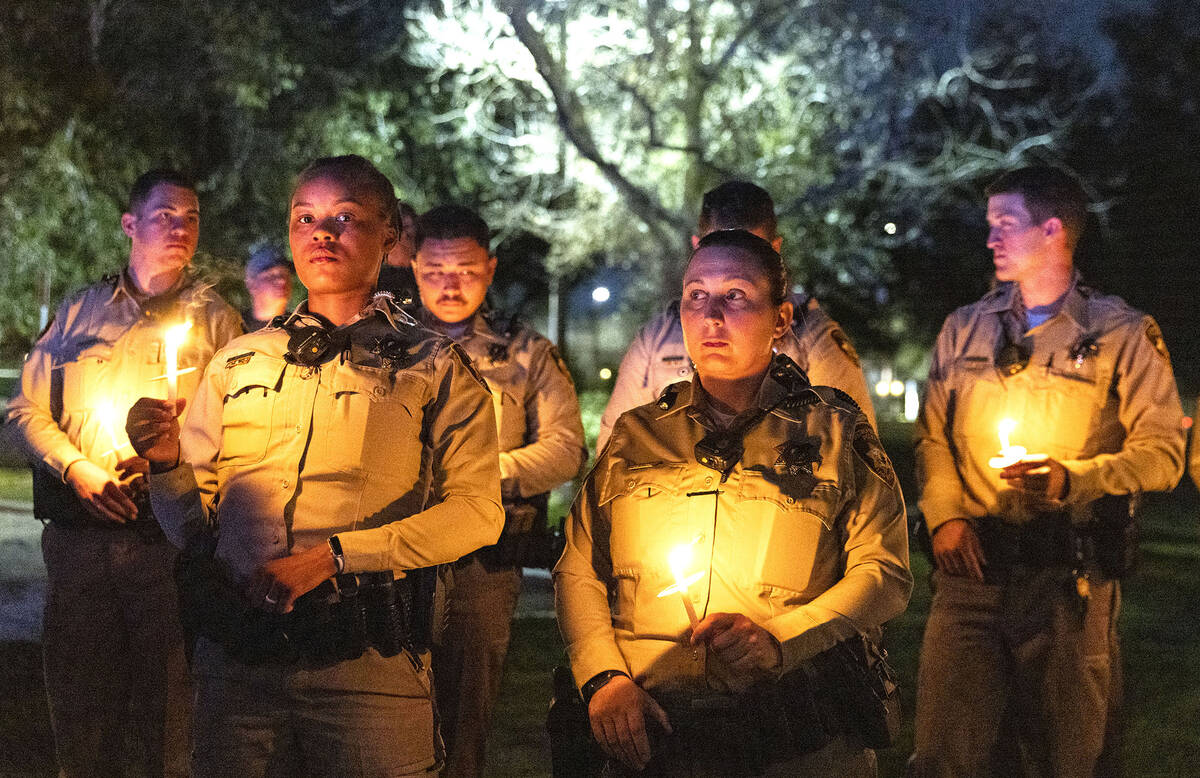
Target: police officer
269, 282
656, 358
791, 524
541, 446
112, 642
325, 456
1028, 548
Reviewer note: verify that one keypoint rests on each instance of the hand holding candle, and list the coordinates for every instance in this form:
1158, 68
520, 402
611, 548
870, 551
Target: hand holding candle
678, 560
1009, 454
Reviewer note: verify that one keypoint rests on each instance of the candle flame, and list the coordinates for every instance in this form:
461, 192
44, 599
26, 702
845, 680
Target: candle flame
106, 414
679, 560
175, 336
1006, 427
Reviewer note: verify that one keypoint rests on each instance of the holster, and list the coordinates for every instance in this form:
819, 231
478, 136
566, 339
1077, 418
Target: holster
527, 540
1115, 533
856, 679
335, 622
574, 753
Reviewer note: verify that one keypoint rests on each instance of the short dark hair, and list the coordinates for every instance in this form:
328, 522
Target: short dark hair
356, 173
761, 251
145, 183
737, 205
1049, 192
447, 222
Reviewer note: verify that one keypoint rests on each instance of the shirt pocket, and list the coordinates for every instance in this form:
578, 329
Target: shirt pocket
648, 516
251, 396
375, 422
786, 546
1072, 397
84, 376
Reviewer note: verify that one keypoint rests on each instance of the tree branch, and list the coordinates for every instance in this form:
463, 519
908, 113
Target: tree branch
573, 121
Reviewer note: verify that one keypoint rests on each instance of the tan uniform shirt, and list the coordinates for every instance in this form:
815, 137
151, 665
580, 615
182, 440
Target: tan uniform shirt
537, 412
104, 350
807, 537
1098, 395
657, 358
397, 460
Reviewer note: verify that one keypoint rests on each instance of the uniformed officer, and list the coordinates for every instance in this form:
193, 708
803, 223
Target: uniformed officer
112, 644
656, 358
541, 446
325, 455
1017, 659
792, 531
269, 281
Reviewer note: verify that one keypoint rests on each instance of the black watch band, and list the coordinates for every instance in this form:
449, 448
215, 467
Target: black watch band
598, 680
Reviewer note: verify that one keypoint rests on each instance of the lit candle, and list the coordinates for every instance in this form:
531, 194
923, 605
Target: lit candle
172, 341
107, 416
678, 560
1009, 454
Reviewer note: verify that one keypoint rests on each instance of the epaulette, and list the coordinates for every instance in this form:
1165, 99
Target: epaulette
841, 398
666, 400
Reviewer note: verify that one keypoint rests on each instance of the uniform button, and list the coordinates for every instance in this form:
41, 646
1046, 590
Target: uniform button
791, 500
632, 483
297, 429
284, 484
379, 391
708, 481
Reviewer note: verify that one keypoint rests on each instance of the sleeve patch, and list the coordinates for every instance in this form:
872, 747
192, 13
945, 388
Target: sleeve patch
845, 345
870, 450
1154, 335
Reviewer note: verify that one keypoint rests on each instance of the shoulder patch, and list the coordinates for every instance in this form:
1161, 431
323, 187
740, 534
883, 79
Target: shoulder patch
1154, 335
238, 359
868, 447
845, 345
469, 365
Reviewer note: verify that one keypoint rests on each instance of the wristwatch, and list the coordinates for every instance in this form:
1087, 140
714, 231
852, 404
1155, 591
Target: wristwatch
335, 548
598, 680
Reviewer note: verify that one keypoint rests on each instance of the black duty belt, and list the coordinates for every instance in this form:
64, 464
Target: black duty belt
1043, 541
335, 622
773, 722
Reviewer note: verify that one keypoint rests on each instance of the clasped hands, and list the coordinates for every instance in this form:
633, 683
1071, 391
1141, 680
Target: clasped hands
618, 711
153, 429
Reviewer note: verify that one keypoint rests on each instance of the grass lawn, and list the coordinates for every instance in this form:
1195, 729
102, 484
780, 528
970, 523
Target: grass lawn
16, 484
1160, 626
